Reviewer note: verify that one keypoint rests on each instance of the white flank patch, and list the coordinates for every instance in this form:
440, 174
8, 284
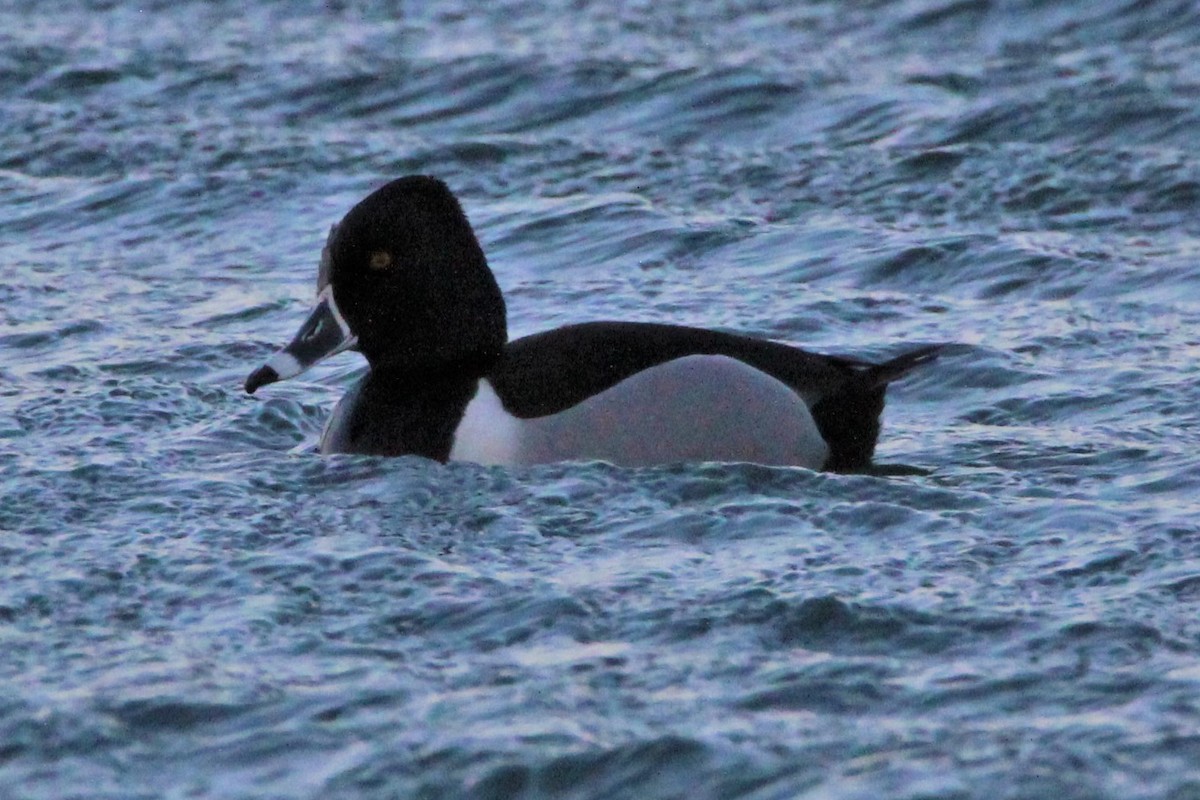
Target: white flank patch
488, 434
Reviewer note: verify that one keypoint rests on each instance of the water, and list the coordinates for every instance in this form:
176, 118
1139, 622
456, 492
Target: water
195, 606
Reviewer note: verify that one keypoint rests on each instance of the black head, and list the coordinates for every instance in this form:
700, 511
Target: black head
408, 283
411, 279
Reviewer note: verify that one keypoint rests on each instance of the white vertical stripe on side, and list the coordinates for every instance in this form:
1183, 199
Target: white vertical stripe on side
487, 434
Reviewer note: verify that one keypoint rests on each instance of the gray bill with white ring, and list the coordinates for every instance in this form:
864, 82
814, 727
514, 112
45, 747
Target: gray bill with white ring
323, 334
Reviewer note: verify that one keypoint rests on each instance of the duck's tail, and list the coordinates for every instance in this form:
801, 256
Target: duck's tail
848, 418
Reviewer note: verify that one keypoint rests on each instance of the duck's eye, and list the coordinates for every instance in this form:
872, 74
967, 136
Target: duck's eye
380, 260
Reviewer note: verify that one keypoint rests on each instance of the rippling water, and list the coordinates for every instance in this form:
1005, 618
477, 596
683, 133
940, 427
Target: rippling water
195, 605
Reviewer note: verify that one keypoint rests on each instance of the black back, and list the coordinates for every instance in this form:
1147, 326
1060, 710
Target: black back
551, 371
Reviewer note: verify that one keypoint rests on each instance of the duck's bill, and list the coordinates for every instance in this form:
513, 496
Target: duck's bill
323, 334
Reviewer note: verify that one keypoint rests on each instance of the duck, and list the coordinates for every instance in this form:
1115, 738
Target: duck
403, 280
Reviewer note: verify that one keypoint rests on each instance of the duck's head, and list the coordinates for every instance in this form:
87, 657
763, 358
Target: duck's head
404, 280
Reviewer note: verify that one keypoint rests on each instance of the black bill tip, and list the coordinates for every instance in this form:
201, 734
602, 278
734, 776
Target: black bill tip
260, 377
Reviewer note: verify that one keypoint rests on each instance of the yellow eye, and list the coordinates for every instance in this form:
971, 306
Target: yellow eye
380, 260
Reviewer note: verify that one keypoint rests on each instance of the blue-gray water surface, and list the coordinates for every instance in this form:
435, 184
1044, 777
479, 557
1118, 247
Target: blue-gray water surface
195, 605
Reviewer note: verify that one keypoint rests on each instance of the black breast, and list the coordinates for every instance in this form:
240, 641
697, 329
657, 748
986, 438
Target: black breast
396, 415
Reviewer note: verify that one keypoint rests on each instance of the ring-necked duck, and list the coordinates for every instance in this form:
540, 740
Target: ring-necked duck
404, 280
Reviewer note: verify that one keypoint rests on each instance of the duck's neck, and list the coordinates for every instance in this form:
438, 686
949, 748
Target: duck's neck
405, 413
405, 375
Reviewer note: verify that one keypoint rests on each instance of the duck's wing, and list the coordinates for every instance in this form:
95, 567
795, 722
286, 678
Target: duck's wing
551, 371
